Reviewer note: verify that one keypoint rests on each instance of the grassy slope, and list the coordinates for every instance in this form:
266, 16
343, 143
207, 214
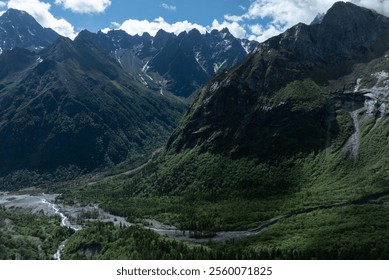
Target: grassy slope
213, 192
356, 231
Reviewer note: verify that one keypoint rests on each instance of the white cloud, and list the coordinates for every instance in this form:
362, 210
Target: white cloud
85, 6
242, 7
284, 14
133, 26
234, 27
279, 15
381, 6
41, 12
169, 7
113, 25
233, 18
260, 34
276, 16
2, 5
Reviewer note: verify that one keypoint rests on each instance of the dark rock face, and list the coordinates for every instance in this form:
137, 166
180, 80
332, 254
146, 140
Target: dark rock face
251, 110
19, 29
100, 99
72, 105
345, 32
180, 64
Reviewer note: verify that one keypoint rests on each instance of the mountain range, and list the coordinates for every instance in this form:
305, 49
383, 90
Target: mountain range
101, 99
291, 144
284, 145
177, 63
262, 107
19, 29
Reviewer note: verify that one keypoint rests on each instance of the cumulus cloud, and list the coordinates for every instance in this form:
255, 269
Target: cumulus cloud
259, 21
41, 12
2, 5
260, 34
133, 26
169, 7
283, 14
113, 25
237, 30
381, 6
85, 6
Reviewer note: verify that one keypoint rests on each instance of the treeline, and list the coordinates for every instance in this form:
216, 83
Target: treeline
194, 191
104, 241
25, 178
26, 236
108, 242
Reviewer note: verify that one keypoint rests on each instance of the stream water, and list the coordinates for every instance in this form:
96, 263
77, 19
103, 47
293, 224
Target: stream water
70, 213
64, 223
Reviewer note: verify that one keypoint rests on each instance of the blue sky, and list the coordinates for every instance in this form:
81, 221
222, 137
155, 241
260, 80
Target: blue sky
202, 12
252, 19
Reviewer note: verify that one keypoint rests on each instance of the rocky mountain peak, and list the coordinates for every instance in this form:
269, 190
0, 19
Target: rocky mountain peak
14, 15
318, 19
346, 14
234, 114
161, 38
19, 29
194, 32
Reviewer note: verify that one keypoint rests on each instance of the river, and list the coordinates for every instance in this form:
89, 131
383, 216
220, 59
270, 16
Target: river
70, 213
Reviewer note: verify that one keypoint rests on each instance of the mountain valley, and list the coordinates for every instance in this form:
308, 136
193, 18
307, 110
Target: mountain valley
282, 154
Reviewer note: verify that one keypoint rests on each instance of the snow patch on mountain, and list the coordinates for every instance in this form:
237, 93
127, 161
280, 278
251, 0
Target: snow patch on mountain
199, 61
358, 85
143, 80
145, 67
245, 46
32, 33
218, 66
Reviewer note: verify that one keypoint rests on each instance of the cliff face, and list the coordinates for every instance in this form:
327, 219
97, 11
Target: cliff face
72, 105
275, 103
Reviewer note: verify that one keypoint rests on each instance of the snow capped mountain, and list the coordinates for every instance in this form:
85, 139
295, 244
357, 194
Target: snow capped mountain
19, 29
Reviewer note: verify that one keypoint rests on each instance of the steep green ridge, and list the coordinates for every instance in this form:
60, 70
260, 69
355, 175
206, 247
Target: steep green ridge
73, 106
358, 232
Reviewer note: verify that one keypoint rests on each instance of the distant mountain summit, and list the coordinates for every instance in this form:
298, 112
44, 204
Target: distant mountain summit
180, 63
19, 29
177, 63
100, 99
